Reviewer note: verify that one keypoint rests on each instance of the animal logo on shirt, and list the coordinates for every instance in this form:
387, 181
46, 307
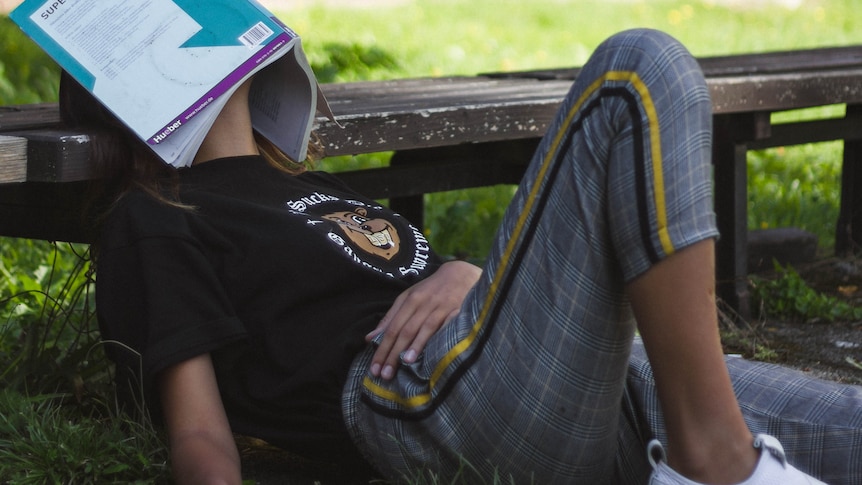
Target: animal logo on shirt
374, 235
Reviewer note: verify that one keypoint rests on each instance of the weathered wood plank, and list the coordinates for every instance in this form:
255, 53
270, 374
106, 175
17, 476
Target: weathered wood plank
848, 128
57, 155
423, 113
27, 116
785, 91
802, 60
436, 127
13, 159
821, 58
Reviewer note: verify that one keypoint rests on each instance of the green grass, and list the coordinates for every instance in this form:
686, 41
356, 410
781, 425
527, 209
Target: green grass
55, 420
27, 75
448, 37
789, 297
42, 443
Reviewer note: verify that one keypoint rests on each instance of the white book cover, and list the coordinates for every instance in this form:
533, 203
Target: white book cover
166, 67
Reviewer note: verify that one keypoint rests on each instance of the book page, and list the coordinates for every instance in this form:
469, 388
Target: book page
280, 107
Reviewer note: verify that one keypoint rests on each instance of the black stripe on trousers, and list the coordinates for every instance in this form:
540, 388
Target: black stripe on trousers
643, 215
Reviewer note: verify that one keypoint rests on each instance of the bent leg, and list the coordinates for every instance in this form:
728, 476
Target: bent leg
527, 381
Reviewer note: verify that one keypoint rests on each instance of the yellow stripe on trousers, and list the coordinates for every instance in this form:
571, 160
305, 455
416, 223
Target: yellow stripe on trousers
661, 219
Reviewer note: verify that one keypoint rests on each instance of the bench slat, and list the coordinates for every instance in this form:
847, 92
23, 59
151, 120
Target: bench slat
823, 58
474, 110
435, 93
783, 61
848, 129
57, 156
785, 91
13, 159
27, 116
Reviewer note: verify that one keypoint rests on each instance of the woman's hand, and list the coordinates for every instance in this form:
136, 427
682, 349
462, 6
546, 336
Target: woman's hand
418, 313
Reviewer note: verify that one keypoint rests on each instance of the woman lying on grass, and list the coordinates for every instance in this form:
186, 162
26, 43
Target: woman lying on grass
275, 302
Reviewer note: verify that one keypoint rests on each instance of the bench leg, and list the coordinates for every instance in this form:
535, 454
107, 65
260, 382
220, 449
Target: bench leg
848, 233
731, 207
732, 219
411, 207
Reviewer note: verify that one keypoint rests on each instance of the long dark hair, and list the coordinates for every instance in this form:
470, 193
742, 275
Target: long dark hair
120, 160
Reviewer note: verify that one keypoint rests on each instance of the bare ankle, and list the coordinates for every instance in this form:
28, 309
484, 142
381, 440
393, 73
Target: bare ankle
714, 464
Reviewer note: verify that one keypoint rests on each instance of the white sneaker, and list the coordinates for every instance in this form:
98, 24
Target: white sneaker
772, 467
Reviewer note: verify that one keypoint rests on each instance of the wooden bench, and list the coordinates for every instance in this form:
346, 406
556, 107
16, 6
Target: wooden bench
462, 132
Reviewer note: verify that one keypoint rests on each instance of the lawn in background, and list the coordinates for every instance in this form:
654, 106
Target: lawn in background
447, 37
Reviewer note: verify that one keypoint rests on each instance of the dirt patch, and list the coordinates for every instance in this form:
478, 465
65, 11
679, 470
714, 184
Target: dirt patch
828, 349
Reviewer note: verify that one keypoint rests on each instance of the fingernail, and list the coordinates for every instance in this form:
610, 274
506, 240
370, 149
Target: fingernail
375, 369
408, 356
388, 372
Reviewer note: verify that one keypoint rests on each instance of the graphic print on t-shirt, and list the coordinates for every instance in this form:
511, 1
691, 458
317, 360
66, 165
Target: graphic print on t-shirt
376, 236
368, 233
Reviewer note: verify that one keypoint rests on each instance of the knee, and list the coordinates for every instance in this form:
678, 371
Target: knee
639, 49
659, 59
643, 40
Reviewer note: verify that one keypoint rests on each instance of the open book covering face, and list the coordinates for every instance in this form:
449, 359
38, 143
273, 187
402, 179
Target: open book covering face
166, 67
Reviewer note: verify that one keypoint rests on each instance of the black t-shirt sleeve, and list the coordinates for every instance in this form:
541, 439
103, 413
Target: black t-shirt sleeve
157, 291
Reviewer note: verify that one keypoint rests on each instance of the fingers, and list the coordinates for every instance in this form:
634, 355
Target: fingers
405, 330
417, 314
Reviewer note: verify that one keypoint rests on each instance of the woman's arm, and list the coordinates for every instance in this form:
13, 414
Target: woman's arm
203, 450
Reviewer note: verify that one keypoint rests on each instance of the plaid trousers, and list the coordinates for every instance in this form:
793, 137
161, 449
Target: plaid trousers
535, 380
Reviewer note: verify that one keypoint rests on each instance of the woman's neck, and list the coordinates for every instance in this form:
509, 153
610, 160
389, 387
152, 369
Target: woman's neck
231, 134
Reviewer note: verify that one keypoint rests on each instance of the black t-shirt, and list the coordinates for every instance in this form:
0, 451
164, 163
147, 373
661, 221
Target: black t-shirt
279, 277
